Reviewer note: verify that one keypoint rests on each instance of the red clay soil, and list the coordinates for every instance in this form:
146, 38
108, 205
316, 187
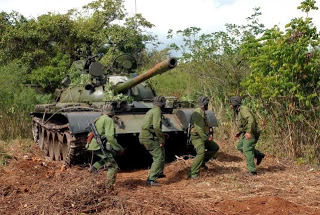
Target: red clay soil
30, 184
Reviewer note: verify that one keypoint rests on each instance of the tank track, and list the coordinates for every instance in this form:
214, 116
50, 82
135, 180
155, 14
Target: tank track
57, 142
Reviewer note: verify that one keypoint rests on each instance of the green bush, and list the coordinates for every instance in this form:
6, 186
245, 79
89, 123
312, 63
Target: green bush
17, 101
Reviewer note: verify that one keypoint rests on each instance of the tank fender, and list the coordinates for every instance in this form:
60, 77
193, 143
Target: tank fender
130, 123
184, 115
79, 121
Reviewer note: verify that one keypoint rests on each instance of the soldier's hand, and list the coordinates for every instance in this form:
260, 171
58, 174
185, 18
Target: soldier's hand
237, 135
210, 138
248, 136
121, 153
162, 145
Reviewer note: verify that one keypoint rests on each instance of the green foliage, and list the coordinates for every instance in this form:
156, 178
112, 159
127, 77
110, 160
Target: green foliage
50, 76
111, 96
285, 65
308, 5
212, 62
50, 43
17, 101
284, 80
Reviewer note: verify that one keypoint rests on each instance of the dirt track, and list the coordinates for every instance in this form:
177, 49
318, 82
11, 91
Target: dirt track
30, 184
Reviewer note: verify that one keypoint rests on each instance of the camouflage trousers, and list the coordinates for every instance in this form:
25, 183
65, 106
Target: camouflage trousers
109, 162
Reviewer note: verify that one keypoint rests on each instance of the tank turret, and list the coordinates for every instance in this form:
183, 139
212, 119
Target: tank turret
115, 78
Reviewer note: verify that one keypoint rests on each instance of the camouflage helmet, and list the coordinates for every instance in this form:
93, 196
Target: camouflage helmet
108, 109
203, 101
159, 101
235, 101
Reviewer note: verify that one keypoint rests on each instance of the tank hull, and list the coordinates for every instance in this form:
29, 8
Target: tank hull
62, 137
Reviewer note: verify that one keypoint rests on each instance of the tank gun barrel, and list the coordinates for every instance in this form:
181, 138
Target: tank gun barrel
158, 69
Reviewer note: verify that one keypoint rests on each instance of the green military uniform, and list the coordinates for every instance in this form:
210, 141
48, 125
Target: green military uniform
246, 122
200, 140
105, 127
151, 137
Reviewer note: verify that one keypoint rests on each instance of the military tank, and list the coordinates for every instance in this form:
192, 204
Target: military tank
60, 129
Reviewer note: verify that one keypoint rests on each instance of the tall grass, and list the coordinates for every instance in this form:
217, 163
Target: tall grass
17, 101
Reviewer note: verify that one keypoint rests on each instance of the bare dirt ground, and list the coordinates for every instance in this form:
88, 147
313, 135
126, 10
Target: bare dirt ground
30, 184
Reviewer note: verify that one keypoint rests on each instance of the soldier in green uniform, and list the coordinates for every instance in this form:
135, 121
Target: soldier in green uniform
248, 132
152, 137
201, 138
106, 129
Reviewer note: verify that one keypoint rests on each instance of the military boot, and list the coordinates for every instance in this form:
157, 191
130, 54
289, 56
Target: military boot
260, 158
152, 183
252, 173
162, 176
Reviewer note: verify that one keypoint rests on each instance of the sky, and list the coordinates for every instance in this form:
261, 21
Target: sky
209, 15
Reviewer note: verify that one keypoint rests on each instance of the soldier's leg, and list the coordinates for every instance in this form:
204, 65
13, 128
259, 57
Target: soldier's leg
162, 164
197, 161
112, 171
99, 164
248, 151
212, 148
239, 146
157, 164
257, 154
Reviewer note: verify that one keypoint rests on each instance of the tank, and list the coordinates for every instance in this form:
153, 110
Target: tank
60, 129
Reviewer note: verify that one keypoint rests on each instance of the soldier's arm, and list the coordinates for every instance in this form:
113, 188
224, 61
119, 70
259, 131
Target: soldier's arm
157, 126
198, 123
110, 132
249, 120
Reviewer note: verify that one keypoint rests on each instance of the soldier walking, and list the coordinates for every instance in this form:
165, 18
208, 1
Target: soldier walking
106, 129
248, 132
201, 138
152, 137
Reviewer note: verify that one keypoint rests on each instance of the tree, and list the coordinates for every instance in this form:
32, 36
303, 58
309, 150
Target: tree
285, 77
215, 58
50, 43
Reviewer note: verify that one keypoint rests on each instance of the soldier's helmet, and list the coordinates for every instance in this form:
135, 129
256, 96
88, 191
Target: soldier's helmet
159, 101
108, 109
203, 101
235, 101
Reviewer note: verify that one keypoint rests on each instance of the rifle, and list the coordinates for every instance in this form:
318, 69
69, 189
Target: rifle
189, 134
99, 140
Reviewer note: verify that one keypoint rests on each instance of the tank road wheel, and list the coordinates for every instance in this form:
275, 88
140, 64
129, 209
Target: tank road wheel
59, 151
64, 147
51, 145
56, 147
45, 142
35, 132
41, 137
71, 145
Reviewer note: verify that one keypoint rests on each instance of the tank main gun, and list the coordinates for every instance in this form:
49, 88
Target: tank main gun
158, 69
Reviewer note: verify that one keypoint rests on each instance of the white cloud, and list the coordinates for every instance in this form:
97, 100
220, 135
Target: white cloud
209, 15
212, 15
35, 8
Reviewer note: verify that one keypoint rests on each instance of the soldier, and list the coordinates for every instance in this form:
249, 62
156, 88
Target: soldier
106, 129
153, 139
201, 138
248, 132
